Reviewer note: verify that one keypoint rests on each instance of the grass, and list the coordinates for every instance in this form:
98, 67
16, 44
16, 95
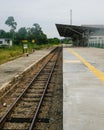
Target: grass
7, 54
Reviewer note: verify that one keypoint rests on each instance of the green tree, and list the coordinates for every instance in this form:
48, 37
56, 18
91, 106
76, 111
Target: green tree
31, 33
22, 33
53, 40
11, 23
37, 34
40, 36
2, 34
38, 29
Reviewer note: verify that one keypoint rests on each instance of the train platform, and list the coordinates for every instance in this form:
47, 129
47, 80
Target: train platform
83, 89
13, 68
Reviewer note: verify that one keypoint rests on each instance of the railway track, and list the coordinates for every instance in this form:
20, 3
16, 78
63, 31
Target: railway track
23, 113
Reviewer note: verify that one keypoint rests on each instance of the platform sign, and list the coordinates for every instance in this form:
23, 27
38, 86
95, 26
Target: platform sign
25, 46
33, 41
24, 41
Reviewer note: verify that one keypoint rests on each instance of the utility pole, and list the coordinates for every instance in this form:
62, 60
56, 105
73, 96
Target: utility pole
71, 17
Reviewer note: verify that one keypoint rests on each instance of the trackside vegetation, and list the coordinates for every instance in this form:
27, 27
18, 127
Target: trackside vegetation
7, 54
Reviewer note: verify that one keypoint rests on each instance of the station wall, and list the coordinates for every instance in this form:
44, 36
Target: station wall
96, 41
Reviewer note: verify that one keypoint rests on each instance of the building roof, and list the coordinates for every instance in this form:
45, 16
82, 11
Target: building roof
74, 31
93, 25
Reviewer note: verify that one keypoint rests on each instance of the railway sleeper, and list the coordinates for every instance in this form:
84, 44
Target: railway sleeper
39, 86
37, 95
19, 120
26, 104
25, 113
31, 98
45, 73
43, 120
15, 126
27, 120
32, 90
42, 82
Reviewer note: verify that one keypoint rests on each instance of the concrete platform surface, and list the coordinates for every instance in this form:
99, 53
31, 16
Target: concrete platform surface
83, 84
12, 68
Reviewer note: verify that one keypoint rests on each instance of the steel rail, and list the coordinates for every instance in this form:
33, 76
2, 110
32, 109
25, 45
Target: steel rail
43, 95
4, 117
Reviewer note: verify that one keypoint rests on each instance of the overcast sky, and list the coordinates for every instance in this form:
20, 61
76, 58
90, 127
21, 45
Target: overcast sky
48, 12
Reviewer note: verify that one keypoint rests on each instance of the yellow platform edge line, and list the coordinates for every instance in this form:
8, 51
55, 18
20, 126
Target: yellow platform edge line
97, 72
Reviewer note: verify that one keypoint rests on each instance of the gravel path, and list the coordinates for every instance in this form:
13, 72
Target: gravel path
12, 68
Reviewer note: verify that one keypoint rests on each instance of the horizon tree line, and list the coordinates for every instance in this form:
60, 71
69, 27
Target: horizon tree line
31, 33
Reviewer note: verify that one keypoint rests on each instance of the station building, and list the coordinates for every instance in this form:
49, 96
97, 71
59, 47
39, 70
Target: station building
96, 40
5, 42
85, 35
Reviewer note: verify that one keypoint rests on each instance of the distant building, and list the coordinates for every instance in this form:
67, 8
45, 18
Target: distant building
96, 38
5, 42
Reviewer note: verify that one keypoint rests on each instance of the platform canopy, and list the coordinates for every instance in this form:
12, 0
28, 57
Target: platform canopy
75, 31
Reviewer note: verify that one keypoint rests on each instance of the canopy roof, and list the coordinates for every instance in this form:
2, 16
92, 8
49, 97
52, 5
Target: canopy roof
75, 31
